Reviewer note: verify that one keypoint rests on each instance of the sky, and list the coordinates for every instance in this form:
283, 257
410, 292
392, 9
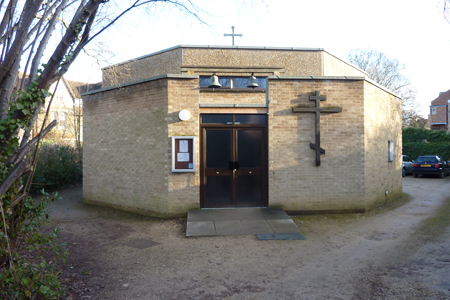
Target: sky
414, 31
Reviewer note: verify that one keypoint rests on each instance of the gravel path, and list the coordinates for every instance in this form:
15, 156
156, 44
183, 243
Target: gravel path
400, 251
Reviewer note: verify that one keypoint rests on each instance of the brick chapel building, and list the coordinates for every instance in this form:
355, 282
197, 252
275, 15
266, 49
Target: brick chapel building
310, 134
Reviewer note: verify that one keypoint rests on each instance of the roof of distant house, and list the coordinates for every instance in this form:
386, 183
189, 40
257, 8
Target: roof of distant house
442, 99
78, 88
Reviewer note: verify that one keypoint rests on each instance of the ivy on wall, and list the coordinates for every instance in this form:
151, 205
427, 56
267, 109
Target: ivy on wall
418, 141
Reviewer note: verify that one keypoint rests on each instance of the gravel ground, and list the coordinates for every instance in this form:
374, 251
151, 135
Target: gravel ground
399, 251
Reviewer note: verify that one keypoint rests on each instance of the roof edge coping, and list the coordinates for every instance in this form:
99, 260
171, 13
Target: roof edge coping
173, 76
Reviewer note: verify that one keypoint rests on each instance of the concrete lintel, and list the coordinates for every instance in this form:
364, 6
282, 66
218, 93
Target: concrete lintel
232, 105
232, 69
172, 76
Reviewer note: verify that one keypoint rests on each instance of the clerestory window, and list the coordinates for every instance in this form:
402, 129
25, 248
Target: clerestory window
233, 82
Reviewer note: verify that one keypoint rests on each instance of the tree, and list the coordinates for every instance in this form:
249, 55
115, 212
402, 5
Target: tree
445, 4
26, 30
387, 72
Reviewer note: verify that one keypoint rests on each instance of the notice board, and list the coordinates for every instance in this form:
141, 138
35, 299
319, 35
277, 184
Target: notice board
183, 154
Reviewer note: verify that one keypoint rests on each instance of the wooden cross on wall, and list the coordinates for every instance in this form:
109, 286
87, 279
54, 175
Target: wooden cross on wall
317, 110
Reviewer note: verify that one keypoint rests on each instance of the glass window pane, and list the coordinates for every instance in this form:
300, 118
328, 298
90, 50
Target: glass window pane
203, 81
249, 148
218, 190
224, 82
249, 189
250, 119
218, 148
240, 82
261, 82
217, 119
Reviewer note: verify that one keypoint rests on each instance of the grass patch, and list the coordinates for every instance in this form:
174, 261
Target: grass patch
305, 220
391, 205
436, 225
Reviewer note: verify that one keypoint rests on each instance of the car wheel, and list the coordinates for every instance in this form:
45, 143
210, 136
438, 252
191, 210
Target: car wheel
415, 175
403, 172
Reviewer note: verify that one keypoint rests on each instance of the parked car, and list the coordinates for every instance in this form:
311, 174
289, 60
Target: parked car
407, 167
431, 164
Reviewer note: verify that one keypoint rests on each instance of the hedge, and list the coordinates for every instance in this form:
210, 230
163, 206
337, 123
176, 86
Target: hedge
417, 141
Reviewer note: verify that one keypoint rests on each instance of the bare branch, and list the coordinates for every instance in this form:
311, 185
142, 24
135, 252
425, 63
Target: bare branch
25, 149
13, 175
387, 72
19, 41
69, 38
44, 41
192, 11
7, 17
445, 5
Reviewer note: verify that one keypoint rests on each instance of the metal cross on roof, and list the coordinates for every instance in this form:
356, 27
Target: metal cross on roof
232, 34
317, 110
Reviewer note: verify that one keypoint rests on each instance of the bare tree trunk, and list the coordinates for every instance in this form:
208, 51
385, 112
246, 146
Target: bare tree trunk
9, 13
21, 165
19, 41
78, 22
49, 75
44, 41
7, 88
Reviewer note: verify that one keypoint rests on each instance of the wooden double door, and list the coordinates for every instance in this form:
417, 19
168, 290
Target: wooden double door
234, 164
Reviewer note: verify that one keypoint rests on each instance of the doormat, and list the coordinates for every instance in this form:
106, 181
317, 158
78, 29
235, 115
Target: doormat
280, 236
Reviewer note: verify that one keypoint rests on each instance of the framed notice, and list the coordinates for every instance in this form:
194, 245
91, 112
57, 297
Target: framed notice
183, 154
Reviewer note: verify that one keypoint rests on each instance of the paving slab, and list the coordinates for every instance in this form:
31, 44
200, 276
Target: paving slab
200, 228
239, 221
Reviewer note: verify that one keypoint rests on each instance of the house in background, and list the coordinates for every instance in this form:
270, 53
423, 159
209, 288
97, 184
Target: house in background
439, 112
66, 109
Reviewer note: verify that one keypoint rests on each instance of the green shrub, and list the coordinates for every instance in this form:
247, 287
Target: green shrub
417, 141
28, 255
57, 166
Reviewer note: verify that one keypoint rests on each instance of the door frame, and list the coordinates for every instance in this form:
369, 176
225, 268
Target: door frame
265, 153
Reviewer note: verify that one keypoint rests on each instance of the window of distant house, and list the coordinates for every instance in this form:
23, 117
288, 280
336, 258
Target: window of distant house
78, 102
233, 82
62, 120
54, 115
433, 111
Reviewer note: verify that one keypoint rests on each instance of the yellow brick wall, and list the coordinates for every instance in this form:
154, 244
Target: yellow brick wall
294, 62
183, 189
232, 98
125, 148
382, 122
334, 66
167, 62
295, 182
